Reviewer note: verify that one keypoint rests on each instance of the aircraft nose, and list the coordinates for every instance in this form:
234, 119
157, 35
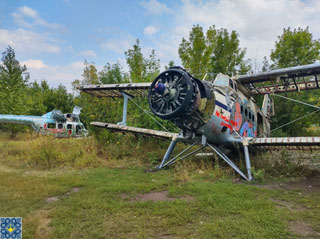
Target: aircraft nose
160, 88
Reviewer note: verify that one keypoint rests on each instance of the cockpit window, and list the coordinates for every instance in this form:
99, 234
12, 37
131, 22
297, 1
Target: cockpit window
221, 80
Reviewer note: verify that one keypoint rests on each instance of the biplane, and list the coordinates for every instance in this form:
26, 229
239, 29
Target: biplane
214, 113
53, 123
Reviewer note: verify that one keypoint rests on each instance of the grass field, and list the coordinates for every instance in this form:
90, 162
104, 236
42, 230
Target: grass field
103, 196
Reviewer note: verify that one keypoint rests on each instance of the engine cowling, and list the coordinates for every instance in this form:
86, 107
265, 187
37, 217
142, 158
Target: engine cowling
177, 96
172, 94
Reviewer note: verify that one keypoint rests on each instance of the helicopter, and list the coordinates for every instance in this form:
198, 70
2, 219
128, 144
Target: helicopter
52, 123
215, 112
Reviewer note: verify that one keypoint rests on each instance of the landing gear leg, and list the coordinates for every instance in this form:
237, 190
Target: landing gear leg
247, 157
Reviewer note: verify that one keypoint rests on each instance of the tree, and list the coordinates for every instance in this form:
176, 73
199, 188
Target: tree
227, 56
13, 87
136, 63
170, 64
216, 52
90, 74
152, 66
142, 69
111, 74
195, 52
294, 48
265, 64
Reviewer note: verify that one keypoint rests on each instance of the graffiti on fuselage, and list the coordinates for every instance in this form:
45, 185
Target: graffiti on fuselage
241, 122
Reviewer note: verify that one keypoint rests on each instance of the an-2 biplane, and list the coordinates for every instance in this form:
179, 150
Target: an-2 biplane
52, 123
214, 113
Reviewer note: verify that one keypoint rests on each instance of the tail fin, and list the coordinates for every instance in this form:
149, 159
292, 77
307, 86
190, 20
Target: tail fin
268, 106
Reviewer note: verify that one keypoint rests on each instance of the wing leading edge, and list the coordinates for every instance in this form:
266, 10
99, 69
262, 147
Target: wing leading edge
115, 90
135, 130
296, 78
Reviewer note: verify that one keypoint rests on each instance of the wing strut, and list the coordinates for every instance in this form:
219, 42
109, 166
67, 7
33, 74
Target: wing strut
125, 108
167, 161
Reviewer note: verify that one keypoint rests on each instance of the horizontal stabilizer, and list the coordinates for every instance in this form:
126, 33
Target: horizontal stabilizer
135, 130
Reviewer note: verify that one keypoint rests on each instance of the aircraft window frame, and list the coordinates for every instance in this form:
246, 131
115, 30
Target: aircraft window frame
78, 129
60, 126
69, 127
231, 84
235, 86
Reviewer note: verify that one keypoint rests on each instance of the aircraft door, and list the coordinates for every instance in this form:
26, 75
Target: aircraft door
78, 129
69, 129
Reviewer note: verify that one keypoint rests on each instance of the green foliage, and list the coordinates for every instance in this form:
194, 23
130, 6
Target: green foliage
112, 74
228, 57
195, 52
295, 48
49, 152
216, 52
13, 94
142, 69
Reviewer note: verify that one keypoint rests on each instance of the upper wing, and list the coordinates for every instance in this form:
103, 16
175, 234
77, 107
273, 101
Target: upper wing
283, 80
114, 90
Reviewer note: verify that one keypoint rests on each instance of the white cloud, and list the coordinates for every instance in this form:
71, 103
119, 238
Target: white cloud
34, 64
27, 11
58, 74
28, 42
118, 45
28, 17
153, 7
150, 30
88, 53
257, 22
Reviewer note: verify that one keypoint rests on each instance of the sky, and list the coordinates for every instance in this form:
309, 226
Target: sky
53, 38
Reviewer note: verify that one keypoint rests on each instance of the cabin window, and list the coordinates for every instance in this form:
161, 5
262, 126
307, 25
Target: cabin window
235, 87
78, 129
246, 112
224, 129
250, 115
69, 126
60, 126
51, 126
252, 118
230, 83
241, 109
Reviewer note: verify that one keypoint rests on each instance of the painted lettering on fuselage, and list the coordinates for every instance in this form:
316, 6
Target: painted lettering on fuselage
245, 128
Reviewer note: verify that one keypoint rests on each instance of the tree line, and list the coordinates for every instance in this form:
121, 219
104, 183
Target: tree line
213, 51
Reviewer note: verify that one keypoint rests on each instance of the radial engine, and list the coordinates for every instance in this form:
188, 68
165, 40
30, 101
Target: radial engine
177, 96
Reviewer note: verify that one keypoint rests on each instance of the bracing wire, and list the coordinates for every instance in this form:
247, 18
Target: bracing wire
149, 115
297, 101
